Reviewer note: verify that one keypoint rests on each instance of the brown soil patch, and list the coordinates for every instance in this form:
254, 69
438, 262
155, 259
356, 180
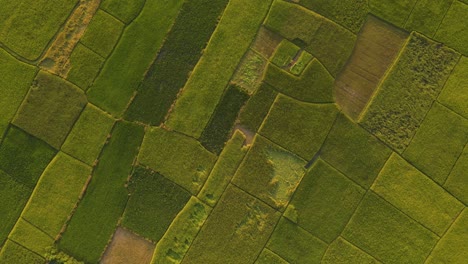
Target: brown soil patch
376, 48
56, 58
128, 248
266, 42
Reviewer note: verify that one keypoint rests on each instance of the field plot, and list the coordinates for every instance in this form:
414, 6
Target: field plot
294, 244
231, 39
270, 173
456, 181
394, 114
180, 158
127, 248
235, 232
154, 202
454, 28
125, 10
266, 42
30, 237
249, 73
297, 126
455, 92
324, 202
257, 107
387, 234
377, 46
182, 49
442, 134
354, 152
269, 257
136, 49
341, 251
84, 66
427, 16
14, 253
395, 12
50, 109
97, 214
27, 27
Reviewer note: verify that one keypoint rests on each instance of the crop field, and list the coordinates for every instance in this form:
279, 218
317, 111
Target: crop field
233, 131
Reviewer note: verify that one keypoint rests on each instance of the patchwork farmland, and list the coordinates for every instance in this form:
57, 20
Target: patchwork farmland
233, 131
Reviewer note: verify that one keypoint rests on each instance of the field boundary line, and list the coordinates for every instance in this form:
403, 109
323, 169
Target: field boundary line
22, 247
443, 18
410, 13
38, 228
453, 166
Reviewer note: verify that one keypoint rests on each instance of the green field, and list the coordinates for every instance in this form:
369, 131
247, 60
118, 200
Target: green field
124, 10
85, 65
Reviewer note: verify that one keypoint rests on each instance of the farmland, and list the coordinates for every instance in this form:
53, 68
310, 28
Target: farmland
233, 131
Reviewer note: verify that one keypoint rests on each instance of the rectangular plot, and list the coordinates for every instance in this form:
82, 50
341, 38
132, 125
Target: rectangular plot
387, 234
97, 214
30, 237
205, 86
235, 232
427, 16
453, 31
85, 65
269, 257
396, 12
125, 10
341, 251
12, 252
456, 181
455, 92
257, 107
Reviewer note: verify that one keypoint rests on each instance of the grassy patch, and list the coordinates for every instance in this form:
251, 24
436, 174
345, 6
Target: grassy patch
294, 244
102, 33
56, 193
341, 251
206, 85
14, 253
266, 41
386, 233
269, 257
27, 27
180, 235
88, 135
284, 54
297, 126
456, 181
270, 172
14, 84
178, 56
31, 237
393, 114
396, 12
315, 85
249, 73
236, 230
257, 107
154, 202
136, 49
50, 109
454, 28
427, 16
217, 131
84, 66
412, 192
97, 214
455, 95
443, 134
451, 247
353, 151
324, 202
24, 157
13, 196
225, 167
125, 10
303, 59
179, 158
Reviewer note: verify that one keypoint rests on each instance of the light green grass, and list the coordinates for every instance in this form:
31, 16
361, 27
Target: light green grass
353, 151
235, 232
456, 181
229, 42
455, 95
270, 172
176, 241
387, 234
249, 73
154, 203
88, 135
14, 253
14, 84
180, 158
31, 237
395, 12
102, 33
443, 134
269, 257
84, 66
324, 202
50, 109
28, 26
452, 247
297, 126
454, 28
315, 85
415, 194
125, 10
294, 244
427, 16
284, 54
257, 107
98, 213
224, 169
137, 48
56, 193
341, 251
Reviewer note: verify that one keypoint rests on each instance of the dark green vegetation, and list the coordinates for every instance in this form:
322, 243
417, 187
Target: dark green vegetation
50, 109
393, 115
182, 49
218, 129
85, 65
125, 10
154, 202
257, 107
97, 214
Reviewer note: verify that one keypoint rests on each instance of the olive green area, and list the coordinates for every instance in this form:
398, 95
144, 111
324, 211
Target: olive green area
256, 109
395, 12
125, 10
30, 237
455, 95
453, 30
284, 54
85, 65
269, 257
341, 251
12, 252
427, 16
456, 181
249, 73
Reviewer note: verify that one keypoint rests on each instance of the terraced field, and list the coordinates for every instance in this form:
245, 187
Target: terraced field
233, 131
